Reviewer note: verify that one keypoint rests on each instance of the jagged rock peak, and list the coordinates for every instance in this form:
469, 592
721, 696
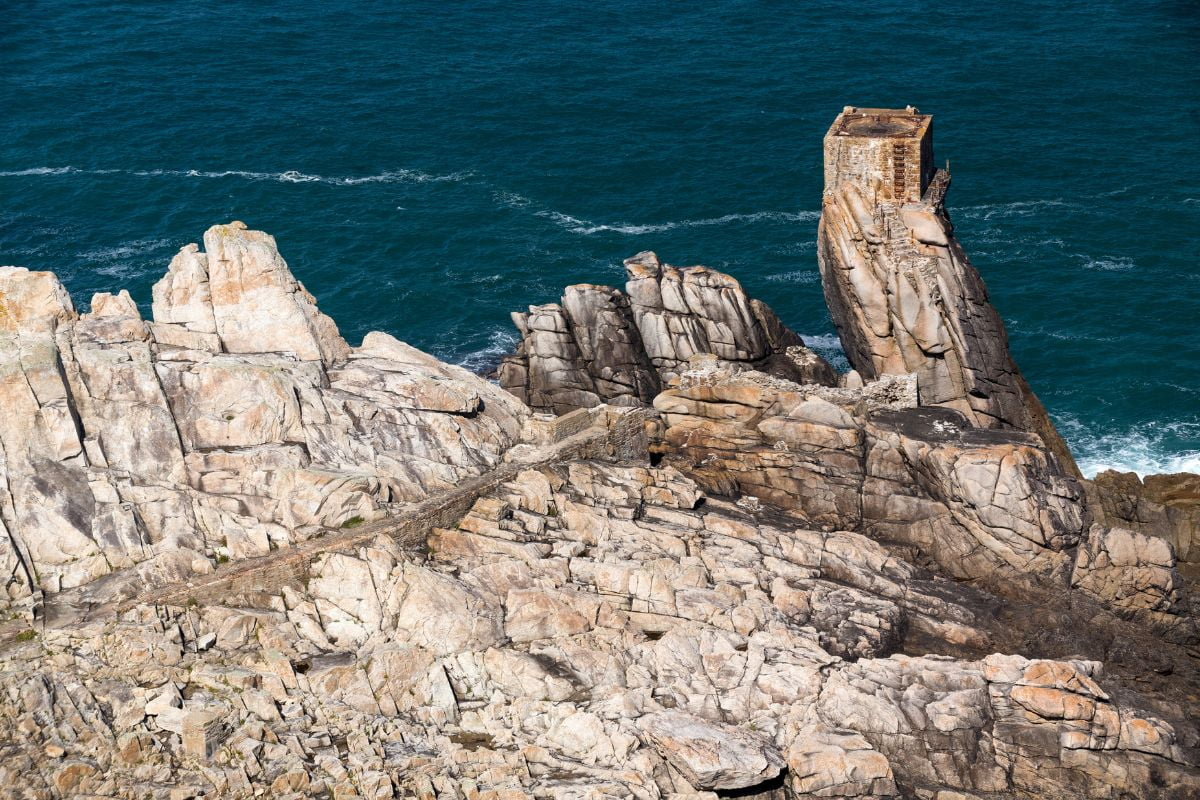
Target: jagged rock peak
602, 345
235, 423
240, 291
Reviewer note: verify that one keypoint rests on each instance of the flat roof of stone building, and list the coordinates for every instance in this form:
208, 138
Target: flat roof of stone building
881, 123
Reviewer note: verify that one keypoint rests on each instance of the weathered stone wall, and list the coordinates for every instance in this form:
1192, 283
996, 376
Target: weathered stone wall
862, 148
547, 429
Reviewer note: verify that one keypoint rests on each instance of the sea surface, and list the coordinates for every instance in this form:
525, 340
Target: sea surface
428, 167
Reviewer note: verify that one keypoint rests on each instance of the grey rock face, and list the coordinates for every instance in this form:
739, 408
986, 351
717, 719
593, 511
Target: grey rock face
1137, 575
600, 345
983, 504
1167, 506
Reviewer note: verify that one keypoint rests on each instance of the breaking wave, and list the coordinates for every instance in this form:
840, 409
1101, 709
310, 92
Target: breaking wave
1152, 448
828, 347
501, 342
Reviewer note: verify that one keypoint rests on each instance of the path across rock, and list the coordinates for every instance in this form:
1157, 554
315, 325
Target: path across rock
609, 435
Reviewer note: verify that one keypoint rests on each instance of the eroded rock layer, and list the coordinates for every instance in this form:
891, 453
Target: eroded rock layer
600, 345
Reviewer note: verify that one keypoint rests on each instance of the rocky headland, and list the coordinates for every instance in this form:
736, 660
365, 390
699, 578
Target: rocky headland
673, 554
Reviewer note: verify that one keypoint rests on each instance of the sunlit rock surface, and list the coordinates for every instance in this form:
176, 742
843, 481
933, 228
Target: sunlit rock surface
237, 421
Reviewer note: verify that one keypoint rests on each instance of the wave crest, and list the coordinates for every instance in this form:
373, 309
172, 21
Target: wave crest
587, 228
288, 176
1148, 449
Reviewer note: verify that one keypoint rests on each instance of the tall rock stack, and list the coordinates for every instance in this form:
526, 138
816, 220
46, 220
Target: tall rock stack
900, 289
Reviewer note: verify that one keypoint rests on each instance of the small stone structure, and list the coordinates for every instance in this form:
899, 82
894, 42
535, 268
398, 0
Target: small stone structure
893, 147
203, 732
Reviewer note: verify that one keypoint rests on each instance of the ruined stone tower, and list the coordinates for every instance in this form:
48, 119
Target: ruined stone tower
887, 148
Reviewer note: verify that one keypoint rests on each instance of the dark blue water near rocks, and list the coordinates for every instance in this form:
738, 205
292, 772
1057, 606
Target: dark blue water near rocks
428, 167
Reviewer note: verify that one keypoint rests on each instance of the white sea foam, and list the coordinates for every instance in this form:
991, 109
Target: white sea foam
400, 176
511, 199
125, 261
828, 347
1015, 326
124, 250
798, 276
1019, 208
1108, 263
288, 176
500, 343
1149, 449
587, 228
1135, 455
38, 171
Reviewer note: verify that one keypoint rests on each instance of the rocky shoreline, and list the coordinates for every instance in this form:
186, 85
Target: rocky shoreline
673, 554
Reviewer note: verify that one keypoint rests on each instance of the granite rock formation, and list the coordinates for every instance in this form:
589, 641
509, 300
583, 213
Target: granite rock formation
722, 571
901, 291
600, 345
1160, 505
587, 630
985, 505
235, 422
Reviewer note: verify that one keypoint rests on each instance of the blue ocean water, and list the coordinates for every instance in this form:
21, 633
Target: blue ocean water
428, 167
